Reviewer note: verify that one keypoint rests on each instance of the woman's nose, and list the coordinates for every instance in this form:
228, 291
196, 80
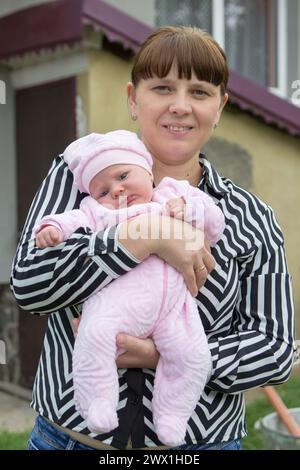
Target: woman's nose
180, 105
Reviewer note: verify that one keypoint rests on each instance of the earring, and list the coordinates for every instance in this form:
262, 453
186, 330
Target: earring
133, 117
215, 126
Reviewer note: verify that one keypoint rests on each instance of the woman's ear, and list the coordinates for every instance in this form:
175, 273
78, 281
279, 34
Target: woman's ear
224, 100
131, 97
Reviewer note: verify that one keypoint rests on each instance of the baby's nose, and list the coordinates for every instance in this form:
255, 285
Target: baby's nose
118, 190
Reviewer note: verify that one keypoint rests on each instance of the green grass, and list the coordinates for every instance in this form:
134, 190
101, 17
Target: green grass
13, 440
290, 394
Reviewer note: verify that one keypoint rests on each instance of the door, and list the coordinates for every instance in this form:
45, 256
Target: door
45, 124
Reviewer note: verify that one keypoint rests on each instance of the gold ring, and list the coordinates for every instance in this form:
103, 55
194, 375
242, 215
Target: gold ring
198, 270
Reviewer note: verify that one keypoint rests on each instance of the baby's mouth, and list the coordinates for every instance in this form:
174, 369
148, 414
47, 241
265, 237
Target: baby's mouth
130, 199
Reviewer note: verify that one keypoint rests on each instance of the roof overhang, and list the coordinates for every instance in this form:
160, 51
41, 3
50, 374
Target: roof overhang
62, 22
258, 100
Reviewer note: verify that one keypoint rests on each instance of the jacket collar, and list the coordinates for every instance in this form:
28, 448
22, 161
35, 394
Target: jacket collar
211, 178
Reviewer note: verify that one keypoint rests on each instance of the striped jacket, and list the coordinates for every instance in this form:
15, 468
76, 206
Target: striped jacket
246, 308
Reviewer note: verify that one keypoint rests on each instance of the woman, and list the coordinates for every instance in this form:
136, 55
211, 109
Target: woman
177, 94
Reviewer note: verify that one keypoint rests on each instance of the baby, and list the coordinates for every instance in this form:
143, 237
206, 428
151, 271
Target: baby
150, 300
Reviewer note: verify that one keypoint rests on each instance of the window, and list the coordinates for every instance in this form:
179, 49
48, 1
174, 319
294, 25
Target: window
248, 30
187, 12
250, 33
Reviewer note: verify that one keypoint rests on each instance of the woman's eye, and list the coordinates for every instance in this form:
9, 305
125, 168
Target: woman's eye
123, 175
104, 193
200, 93
162, 89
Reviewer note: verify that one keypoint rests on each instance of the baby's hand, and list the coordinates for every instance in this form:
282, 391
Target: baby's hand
49, 236
175, 207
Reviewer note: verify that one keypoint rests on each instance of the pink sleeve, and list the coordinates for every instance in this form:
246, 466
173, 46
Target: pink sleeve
170, 188
67, 222
200, 209
202, 212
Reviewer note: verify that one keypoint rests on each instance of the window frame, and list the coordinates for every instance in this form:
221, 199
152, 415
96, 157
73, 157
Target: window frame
282, 58
218, 32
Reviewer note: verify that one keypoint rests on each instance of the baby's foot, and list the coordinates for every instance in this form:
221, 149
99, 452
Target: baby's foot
171, 430
102, 417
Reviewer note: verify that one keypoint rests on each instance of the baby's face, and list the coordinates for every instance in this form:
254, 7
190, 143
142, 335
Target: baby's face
120, 186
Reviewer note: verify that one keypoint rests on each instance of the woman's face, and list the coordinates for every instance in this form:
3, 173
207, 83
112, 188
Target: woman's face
176, 117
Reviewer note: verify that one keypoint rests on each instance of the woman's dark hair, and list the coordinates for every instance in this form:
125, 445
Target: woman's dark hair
190, 48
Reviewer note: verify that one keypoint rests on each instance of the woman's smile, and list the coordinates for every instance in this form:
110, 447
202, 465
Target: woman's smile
178, 130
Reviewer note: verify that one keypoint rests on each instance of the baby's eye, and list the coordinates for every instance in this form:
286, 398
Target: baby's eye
123, 175
104, 193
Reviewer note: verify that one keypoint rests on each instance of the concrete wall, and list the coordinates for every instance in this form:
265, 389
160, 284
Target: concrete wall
8, 202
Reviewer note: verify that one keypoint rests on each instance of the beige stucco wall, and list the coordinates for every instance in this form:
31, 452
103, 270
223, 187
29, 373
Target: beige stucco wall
274, 155
275, 159
103, 91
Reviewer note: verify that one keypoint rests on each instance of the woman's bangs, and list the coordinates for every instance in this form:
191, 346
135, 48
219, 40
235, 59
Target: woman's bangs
189, 54
156, 62
207, 64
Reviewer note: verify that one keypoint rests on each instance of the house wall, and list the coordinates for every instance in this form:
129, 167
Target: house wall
275, 167
143, 11
106, 101
8, 201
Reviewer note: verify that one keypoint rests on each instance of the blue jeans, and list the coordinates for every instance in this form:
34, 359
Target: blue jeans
228, 445
45, 436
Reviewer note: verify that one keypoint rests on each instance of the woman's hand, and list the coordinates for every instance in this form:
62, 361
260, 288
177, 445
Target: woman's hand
183, 246
180, 244
140, 353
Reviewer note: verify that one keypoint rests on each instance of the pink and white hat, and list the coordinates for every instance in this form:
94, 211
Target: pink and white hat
95, 152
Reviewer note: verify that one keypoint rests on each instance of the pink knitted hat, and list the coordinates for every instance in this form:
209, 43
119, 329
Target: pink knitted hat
95, 152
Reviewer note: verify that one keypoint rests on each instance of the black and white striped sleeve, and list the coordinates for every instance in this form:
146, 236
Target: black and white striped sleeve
46, 280
261, 348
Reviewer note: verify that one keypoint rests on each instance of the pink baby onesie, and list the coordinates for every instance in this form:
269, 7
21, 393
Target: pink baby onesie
150, 300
